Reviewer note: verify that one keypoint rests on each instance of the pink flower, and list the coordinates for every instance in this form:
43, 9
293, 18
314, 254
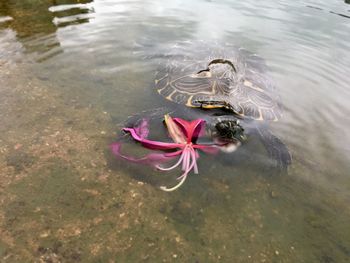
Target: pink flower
184, 135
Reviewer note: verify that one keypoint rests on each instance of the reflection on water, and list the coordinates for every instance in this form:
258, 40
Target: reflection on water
71, 14
4, 19
39, 35
71, 71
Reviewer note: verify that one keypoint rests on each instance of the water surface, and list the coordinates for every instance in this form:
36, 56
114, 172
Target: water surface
72, 71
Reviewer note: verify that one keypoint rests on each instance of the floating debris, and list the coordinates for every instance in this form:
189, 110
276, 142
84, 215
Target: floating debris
184, 135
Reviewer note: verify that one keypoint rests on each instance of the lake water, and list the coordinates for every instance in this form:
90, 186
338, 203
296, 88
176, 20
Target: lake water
72, 71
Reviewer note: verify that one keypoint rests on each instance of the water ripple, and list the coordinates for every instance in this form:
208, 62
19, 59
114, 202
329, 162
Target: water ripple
305, 44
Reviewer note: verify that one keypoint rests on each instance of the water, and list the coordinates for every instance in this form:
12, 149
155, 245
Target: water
69, 74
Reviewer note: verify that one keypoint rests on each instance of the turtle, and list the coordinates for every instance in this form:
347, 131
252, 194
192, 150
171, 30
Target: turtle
227, 86
219, 77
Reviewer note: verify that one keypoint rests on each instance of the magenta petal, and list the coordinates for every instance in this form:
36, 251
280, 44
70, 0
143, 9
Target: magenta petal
199, 131
150, 159
174, 130
154, 145
211, 149
195, 156
142, 129
173, 166
193, 129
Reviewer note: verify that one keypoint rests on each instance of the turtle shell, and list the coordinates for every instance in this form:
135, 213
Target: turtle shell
218, 76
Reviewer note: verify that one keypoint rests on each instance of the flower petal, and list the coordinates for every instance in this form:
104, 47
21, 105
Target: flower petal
154, 145
183, 177
150, 159
164, 188
195, 156
142, 129
173, 166
174, 130
211, 149
193, 129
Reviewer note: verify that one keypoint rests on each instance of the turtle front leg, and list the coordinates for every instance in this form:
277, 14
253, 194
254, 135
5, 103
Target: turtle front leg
276, 149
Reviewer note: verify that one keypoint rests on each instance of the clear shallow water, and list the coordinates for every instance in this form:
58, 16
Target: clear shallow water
70, 72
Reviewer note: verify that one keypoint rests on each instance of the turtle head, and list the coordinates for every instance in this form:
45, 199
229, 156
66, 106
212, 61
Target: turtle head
230, 133
218, 68
230, 130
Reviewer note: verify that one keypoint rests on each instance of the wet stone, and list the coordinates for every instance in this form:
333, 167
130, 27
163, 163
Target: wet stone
273, 194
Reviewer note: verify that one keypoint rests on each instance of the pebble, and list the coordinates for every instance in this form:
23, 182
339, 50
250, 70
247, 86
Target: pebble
17, 146
121, 215
45, 234
273, 194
